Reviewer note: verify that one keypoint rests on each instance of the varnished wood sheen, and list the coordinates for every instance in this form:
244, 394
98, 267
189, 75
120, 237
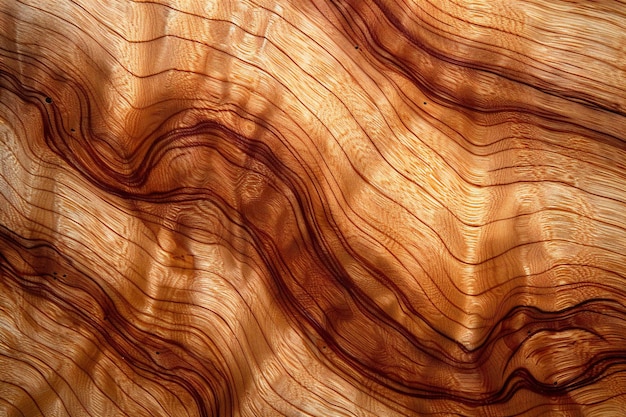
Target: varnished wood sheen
312, 208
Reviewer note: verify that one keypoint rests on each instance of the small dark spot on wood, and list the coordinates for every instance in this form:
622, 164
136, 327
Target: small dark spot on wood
54, 273
356, 46
48, 100
555, 383
424, 102
73, 130
64, 275
158, 353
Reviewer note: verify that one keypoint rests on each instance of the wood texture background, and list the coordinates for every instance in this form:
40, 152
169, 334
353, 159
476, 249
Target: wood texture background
312, 208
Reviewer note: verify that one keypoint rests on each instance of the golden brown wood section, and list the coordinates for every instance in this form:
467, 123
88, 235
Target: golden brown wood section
312, 208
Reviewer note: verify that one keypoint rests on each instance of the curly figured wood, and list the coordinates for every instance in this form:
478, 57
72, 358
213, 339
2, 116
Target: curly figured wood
321, 208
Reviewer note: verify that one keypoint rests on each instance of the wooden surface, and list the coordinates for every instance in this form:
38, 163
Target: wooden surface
312, 208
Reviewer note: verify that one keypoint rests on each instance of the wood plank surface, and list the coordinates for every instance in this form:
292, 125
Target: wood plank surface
312, 208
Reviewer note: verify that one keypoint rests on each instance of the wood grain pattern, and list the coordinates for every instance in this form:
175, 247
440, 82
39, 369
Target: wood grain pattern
312, 208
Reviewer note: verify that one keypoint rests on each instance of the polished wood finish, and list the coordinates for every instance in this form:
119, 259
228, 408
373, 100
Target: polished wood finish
312, 208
